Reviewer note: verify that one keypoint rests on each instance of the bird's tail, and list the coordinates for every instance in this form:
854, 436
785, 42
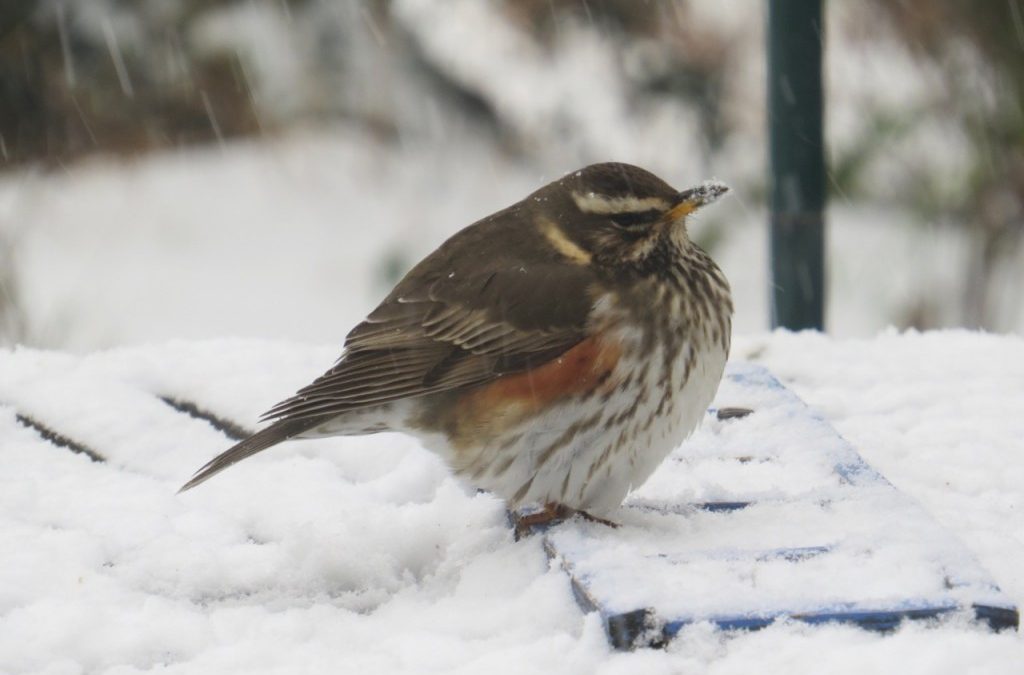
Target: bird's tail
277, 432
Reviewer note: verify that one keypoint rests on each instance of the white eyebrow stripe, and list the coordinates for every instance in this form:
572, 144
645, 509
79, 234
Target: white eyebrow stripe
591, 202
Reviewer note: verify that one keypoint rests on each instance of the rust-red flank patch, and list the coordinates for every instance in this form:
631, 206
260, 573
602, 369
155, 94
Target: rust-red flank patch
488, 410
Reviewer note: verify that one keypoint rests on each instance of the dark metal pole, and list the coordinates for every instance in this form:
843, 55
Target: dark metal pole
795, 43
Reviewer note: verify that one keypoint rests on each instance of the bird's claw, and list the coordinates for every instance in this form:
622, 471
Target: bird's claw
551, 514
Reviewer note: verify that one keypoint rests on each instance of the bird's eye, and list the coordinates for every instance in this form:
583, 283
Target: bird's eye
634, 220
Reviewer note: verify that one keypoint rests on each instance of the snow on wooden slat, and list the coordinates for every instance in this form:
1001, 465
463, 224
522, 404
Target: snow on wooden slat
763, 517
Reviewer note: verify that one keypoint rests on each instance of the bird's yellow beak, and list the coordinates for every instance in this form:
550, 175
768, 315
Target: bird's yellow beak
690, 200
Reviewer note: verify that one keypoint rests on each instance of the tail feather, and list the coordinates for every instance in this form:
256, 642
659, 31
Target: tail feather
276, 433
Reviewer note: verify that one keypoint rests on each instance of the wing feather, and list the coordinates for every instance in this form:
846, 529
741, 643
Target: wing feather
409, 348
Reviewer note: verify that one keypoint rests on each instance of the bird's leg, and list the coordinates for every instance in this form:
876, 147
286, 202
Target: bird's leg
553, 512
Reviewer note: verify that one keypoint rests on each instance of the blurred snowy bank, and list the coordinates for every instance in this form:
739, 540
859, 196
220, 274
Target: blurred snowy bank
298, 237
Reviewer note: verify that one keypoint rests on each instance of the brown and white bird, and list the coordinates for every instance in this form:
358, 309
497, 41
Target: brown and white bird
553, 353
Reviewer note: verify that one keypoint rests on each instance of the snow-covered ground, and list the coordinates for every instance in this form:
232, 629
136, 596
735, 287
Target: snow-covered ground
364, 555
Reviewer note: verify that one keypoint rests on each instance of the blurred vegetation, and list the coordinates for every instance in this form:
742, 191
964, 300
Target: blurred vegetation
124, 76
978, 51
70, 86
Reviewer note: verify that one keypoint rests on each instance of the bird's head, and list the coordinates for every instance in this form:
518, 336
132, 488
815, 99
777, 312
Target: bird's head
617, 214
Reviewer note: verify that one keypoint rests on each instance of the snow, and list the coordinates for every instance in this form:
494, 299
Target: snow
823, 532
364, 555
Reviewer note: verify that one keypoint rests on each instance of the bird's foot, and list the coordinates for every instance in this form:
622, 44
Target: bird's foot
551, 514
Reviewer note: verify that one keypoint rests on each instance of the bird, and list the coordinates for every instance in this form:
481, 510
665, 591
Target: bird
553, 353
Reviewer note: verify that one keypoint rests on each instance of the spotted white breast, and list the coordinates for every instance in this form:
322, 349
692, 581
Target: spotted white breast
588, 450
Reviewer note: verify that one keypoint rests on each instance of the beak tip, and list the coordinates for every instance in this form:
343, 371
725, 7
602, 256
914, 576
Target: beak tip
712, 190
703, 194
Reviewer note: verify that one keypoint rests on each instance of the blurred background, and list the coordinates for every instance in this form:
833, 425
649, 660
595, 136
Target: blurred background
268, 168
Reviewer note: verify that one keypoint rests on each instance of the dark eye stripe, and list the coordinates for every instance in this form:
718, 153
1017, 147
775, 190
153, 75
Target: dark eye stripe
635, 218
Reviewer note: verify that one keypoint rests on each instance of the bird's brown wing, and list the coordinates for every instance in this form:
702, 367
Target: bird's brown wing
494, 299
443, 332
